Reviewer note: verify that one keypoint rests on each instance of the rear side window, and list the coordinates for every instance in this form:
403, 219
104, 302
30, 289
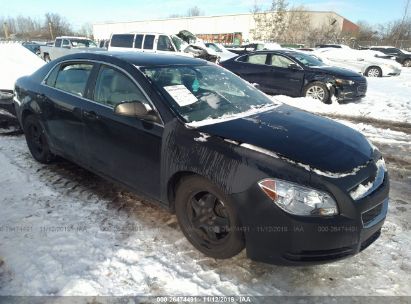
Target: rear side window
149, 42
73, 78
113, 87
122, 40
139, 41
58, 43
164, 44
51, 78
257, 59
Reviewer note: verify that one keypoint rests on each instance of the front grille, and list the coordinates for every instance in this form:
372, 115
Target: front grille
368, 216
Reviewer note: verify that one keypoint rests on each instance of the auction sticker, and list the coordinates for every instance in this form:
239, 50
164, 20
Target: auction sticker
181, 95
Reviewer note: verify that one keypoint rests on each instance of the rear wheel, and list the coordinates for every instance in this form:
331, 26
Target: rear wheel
36, 140
208, 218
373, 71
317, 90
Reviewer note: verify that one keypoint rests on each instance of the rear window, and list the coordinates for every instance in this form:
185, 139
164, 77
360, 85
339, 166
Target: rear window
73, 78
122, 40
149, 42
139, 41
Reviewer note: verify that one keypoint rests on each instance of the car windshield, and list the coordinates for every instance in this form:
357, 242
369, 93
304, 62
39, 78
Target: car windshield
82, 43
308, 60
204, 92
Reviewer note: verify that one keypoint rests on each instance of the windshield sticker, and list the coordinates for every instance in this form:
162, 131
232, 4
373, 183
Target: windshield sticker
181, 95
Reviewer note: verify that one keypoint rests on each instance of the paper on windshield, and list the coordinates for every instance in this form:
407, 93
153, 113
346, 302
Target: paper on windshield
181, 95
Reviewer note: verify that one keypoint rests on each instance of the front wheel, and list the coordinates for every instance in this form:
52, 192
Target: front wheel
317, 90
208, 218
36, 140
407, 63
373, 71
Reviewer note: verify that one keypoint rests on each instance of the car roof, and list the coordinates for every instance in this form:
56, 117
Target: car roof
138, 58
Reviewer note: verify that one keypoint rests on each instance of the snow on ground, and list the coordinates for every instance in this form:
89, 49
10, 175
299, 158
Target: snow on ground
16, 61
65, 231
388, 98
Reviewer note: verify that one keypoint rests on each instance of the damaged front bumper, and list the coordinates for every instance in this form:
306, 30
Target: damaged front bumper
276, 237
352, 92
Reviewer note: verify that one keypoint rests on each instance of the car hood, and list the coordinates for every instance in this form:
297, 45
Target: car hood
336, 71
299, 136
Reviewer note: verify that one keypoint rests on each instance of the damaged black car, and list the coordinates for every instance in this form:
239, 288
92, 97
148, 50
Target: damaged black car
239, 169
298, 74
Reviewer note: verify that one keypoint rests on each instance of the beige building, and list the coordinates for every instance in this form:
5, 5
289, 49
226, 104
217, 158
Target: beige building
227, 28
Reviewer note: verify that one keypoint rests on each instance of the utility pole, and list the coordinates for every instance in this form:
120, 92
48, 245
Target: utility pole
51, 31
6, 30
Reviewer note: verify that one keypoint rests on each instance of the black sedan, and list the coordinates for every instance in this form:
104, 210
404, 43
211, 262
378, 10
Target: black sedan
238, 170
297, 74
401, 56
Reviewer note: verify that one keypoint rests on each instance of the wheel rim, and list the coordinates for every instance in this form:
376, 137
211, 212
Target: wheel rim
35, 138
316, 92
373, 73
209, 219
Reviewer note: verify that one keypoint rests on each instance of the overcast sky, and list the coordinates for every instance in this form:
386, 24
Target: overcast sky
79, 12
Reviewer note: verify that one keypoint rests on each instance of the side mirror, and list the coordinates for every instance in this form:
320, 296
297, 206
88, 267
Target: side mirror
294, 66
135, 109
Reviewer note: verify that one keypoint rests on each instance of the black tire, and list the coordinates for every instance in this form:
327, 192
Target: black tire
319, 91
36, 140
407, 63
47, 58
373, 71
216, 232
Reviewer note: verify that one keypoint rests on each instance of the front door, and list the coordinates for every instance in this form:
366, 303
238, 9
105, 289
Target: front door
126, 149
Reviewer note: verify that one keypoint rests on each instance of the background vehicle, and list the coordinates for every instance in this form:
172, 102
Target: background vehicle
334, 46
34, 47
158, 43
221, 51
152, 122
256, 46
401, 56
359, 61
297, 74
67, 45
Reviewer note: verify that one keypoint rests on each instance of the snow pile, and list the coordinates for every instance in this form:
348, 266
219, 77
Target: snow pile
388, 98
16, 61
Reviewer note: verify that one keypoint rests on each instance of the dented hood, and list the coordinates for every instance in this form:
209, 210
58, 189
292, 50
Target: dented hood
299, 136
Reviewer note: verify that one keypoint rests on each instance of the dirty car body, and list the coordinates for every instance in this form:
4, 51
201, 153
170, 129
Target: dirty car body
195, 131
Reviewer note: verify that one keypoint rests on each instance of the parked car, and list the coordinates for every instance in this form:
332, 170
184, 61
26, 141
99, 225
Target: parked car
359, 61
222, 52
401, 56
297, 74
334, 46
33, 47
67, 45
252, 47
158, 43
238, 169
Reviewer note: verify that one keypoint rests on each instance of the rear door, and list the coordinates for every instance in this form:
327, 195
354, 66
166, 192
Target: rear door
126, 149
285, 76
148, 44
65, 89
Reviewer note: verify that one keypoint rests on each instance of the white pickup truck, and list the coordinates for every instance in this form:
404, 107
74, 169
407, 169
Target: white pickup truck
66, 45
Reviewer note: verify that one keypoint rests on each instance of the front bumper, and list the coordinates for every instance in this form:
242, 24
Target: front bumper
390, 71
351, 92
276, 237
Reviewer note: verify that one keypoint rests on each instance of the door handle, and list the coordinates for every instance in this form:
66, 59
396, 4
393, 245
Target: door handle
91, 115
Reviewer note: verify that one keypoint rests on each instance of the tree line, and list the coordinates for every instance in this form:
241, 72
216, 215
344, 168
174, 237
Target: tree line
46, 28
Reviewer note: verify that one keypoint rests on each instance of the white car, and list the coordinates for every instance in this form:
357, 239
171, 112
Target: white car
221, 51
367, 63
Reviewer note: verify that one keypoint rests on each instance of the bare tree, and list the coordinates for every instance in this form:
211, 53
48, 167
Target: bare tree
191, 12
298, 25
86, 30
270, 24
58, 25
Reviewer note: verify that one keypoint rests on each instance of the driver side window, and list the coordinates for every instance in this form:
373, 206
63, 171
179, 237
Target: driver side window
113, 87
280, 61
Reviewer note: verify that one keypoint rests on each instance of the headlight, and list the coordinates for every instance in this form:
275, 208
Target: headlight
298, 200
344, 81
